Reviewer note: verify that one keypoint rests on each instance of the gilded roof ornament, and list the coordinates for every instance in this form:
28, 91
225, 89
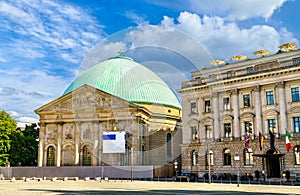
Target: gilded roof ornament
261, 53
238, 57
288, 47
217, 62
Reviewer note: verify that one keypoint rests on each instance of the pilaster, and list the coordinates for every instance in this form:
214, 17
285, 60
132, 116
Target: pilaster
216, 115
59, 135
236, 120
41, 144
282, 108
77, 143
258, 112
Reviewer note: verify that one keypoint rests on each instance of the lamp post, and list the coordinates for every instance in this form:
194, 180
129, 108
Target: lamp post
237, 159
209, 158
131, 163
175, 166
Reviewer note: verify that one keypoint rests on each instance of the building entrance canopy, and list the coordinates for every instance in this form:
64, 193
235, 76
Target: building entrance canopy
268, 155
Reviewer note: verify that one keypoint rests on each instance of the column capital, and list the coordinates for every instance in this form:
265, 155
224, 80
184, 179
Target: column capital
234, 91
280, 84
215, 94
256, 88
42, 124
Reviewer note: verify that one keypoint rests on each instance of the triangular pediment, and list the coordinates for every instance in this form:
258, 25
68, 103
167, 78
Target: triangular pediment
193, 121
84, 98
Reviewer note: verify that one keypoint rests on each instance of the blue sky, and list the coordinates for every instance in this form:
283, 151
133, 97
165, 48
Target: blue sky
45, 44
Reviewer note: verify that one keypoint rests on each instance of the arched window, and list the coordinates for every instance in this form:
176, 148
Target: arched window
50, 156
210, 158
297, 154
86, 156
248, 157
169, 147
194, 158
227, 156
68, 156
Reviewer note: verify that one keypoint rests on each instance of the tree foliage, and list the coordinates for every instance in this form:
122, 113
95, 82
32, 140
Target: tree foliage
24, 146
7, 126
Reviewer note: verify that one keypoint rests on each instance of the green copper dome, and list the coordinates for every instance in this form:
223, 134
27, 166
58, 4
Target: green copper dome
122, 77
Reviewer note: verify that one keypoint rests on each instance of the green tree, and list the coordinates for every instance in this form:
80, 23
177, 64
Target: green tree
24, 146
7, 126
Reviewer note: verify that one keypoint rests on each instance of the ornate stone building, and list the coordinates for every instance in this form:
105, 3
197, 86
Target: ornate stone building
224, 103
117, 95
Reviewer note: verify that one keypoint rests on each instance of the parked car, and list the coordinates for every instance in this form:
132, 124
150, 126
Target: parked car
185, 177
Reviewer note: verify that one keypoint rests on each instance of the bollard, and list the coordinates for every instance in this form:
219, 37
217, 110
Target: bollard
53, 178
13, 179
65, 178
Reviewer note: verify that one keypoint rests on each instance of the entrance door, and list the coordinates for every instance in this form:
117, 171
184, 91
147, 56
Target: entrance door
273, 164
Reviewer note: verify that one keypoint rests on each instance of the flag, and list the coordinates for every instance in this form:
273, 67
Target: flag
272, 140
247, 140
261, 141
287, 140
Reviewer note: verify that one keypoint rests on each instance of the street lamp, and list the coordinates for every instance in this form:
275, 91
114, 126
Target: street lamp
131, 163
208, 159
236, 159
175, 166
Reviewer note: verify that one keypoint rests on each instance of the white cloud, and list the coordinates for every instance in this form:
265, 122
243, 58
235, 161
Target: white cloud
14, 113
54, 26
229, 9
172, 39
104, 50
27, 120
25, 92
224, 39
136, 18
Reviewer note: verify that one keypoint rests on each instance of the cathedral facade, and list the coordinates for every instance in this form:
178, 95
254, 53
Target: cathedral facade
117, 113
226, 104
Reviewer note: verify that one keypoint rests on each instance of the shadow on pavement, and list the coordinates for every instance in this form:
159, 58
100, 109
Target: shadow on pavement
137, 192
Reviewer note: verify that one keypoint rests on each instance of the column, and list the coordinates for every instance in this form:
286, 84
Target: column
282, 108
41, 144
258, 110
77, 143
216, 115
243, 132
100, 143
236, 120
58, 151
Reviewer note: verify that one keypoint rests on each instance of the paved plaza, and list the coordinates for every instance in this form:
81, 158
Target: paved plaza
137, 187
